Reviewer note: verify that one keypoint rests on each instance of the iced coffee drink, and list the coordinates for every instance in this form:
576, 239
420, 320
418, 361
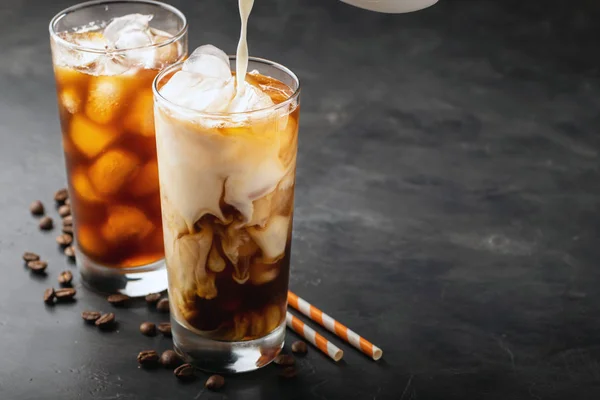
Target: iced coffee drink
227, 161
105, 57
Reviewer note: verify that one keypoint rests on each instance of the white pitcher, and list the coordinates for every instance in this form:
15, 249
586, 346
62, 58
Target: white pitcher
392, 6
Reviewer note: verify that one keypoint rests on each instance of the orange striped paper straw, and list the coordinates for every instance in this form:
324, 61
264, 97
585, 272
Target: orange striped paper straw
313, 337
334, 326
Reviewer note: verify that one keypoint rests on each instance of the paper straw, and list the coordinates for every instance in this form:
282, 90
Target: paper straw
313, 337
334, 326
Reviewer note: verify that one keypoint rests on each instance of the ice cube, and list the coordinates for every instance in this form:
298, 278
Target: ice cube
257, 324
287, 127
205, 83
90, 241
132, 32
65, 56
66, 76
125, 223
242, 189
208, 61
272, 238
112, 170
82, 186
89, 137
70, 99
166, 53
146, 181
107, 96
191, 90
249, 98
140, 117
215, 262
191, 252
261, 273
273, 317
241, 323
131, 22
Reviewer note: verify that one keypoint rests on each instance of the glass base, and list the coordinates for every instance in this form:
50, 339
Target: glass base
226, 357
134, 282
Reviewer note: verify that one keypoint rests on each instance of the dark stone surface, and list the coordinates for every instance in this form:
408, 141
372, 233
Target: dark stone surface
448, 204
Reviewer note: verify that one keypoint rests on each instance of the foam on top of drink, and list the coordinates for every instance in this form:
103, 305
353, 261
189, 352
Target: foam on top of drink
120, 46
205, 83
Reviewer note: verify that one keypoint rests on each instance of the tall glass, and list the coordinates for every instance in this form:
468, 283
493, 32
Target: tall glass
227, 192
106, 111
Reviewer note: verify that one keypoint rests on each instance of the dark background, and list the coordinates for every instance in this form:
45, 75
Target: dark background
447, 204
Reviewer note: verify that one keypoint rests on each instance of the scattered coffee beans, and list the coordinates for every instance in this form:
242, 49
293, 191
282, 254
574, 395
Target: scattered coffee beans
65, 277
64, 240
38, 266
184, 372
148, 358
106, 321
68, 221
37, 208
29, 256
61, 195
46, 224
153, 298
148, 329
67, 229
215, 382
299, 347
165, 329
169, 359
64, 210
70, 251
284, 359
65, 294
90, 316
163, 305
49, 296
118, 300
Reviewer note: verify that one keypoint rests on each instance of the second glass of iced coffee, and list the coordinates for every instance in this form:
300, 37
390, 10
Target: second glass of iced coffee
106, 55
227, 177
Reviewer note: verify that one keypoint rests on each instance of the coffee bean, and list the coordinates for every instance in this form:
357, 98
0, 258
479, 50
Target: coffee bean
65, 294
46, 223
299, 347
90, 316
64, 239
148, 329
165, 329
61, 195
118, 300
184, 372
148, 358
214, 382
70, 251
68, 221
284, 360
153, 298
288, 373
49, 296
65, 277
67, 229
38, 266
170, 359
37, 208
106, 321
64, 210
68, 201
163, 305
29, 256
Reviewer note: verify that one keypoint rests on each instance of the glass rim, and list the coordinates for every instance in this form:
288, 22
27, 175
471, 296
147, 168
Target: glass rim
77, 7
222, 115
